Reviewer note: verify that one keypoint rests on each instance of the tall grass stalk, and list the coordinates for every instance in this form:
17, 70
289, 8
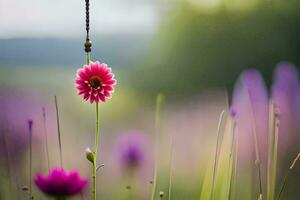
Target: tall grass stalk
46, 138
170, 170
58, 132
285, 179
232, 160
272, 150
7, 155
159, 102
256, 146
234, 174
30, 159
216, 153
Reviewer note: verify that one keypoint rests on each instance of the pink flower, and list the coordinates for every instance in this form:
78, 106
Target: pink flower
60, 183
95, 82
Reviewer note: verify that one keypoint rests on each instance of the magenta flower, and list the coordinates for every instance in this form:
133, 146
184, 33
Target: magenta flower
132, 150
95, 82
60, 184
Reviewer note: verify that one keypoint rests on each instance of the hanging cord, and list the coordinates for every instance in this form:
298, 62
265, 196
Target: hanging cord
88, 43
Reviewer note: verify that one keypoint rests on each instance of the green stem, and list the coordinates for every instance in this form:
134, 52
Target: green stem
60, 198
94, 169
9, 165
232, 158
58, 132
234, 169
270, 149
94, 172
159, 102
287, 176
170, 170
256, 145
87, 58
30, 163
283, 184
46, 139
216, 154
274, 151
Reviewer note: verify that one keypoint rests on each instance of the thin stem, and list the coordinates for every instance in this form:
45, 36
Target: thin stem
232, 161
257, 154
171, 170
7, 154
234, 173
97, 129
61, 198
275, 158
270, 148
159, 102
30, 159
46, 138
287, 176
58, 132
273, 150
94, 172
216, 154
88, 58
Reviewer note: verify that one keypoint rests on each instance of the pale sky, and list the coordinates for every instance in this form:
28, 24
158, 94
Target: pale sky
66, 18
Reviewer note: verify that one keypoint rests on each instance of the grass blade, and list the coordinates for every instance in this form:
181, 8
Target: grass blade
284, 183
159, 102
216, 153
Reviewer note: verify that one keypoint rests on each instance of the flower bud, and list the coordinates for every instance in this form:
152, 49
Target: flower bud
90, 155
161, 194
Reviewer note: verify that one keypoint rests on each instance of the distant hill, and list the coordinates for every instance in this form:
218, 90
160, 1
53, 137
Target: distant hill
117, 50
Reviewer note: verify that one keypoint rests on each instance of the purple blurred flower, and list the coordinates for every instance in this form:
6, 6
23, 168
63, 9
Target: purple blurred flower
30, 123
16, 108
232, 112
132, 150
60, 184
250, 104
286, 96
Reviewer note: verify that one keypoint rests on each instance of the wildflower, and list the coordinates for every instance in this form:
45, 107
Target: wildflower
60, 184
286, 96
251, 105
132, 150
250, 101
95, 82
30, 123
16, 108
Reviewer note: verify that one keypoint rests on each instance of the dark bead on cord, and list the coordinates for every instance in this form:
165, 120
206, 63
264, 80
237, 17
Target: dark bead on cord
88, 46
